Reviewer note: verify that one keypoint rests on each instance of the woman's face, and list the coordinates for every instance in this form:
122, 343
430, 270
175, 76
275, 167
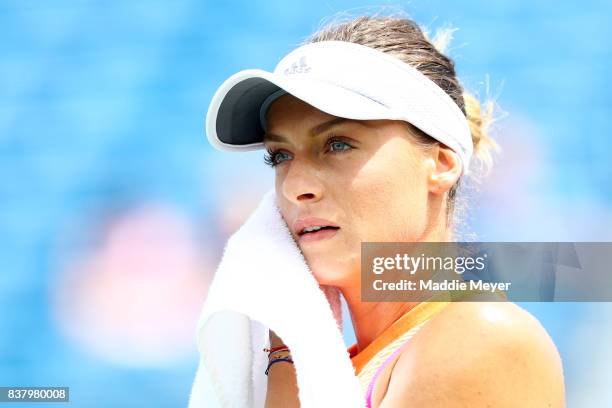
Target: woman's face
366, 177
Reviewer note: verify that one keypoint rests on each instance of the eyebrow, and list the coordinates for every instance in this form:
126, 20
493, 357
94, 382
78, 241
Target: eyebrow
320, 128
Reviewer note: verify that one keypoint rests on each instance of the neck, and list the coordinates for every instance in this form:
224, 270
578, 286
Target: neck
371, 319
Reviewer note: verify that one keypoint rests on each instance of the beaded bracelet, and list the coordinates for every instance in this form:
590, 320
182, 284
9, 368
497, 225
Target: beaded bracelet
270, 350
276, 360
288, 353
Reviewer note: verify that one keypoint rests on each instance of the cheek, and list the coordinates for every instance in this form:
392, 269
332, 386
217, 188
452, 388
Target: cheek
389, 197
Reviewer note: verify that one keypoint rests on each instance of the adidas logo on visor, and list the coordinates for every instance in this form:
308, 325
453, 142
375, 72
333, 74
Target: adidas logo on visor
298, 67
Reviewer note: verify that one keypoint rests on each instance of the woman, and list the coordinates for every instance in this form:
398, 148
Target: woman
346, 173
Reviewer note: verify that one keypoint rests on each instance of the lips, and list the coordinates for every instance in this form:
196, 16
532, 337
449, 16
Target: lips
317, 236
304, 223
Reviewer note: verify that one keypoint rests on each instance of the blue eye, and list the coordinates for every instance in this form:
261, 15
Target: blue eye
338, 145
279, 155
274, 157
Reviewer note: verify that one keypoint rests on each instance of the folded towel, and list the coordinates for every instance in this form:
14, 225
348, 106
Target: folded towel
263, 282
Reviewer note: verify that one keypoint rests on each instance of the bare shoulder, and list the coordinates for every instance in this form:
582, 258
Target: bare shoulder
478, 354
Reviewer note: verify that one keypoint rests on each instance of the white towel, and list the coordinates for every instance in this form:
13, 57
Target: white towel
262, 282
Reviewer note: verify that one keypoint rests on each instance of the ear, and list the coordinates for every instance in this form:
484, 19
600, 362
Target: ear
446, 169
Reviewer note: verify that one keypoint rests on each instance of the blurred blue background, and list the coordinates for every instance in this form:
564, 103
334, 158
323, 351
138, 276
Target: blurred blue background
114, 209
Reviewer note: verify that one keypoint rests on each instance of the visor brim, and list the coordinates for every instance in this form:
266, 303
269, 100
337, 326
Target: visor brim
233, 118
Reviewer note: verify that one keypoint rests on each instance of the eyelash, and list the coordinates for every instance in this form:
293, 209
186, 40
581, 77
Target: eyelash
271, 153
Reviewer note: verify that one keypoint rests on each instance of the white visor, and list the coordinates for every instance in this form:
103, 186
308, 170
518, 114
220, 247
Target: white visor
343, 79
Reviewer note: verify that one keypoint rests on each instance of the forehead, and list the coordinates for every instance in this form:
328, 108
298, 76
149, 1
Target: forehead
290, 110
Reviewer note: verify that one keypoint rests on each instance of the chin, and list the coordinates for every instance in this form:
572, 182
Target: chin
327, 274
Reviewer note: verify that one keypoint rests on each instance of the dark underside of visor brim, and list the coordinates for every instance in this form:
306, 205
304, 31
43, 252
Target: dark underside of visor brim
238, 116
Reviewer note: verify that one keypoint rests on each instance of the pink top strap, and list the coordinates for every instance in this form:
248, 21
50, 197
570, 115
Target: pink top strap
382, 366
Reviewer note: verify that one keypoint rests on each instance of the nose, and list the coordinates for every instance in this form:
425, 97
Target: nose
301, 182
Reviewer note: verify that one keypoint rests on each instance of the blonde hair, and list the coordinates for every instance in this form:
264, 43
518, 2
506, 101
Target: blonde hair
401, 37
